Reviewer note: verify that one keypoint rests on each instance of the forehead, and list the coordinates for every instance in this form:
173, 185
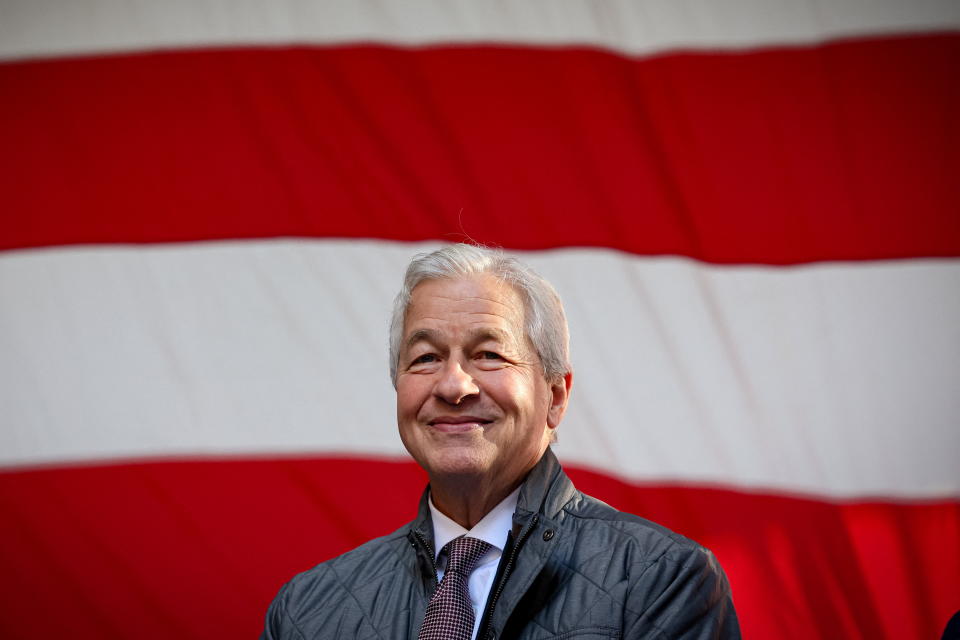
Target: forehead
467, 303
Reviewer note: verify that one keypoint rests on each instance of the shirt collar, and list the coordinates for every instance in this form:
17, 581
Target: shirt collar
492, 528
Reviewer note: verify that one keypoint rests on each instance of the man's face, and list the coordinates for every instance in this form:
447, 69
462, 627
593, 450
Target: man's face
472, 399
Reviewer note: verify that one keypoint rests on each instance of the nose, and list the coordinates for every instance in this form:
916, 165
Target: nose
455, 384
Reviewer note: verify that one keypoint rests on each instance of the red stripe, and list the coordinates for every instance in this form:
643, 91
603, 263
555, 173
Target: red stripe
198, 549
840, 151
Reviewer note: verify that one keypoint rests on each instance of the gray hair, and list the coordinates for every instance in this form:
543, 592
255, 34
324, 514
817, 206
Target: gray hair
544, 320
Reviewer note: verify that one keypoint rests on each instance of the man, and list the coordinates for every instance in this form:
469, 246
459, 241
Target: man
504, 546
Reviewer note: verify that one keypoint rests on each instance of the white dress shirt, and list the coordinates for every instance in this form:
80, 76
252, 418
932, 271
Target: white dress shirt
493, 529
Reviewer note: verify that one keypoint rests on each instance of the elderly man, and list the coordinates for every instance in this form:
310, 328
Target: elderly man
504, 546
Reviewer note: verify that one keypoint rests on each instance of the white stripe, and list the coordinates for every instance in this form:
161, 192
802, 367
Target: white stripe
832, 379
30, 28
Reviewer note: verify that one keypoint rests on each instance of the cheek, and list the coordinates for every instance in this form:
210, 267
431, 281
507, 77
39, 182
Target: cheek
410, 395
520, 394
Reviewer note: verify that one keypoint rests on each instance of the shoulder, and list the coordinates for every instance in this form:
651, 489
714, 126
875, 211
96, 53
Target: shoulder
602, 524
595, 526
671, 581
333, 585
339, 575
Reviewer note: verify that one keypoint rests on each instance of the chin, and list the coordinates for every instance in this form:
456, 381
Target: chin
460, 461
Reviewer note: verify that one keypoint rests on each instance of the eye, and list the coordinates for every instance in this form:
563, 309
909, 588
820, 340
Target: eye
426, 358
490, 355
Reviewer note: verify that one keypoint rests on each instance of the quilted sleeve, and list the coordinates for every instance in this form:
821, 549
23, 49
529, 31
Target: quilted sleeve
683, 595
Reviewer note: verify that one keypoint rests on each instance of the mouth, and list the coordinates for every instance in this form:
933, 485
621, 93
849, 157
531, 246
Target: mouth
457, 424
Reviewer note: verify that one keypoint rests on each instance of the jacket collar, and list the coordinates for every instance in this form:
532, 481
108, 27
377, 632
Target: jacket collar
545, 491
543, 495
423, 524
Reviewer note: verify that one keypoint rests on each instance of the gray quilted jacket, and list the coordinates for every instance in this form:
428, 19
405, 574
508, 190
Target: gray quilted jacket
573, 568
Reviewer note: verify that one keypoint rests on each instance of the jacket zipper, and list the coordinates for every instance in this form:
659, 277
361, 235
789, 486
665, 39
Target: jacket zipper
506, 574
426, 545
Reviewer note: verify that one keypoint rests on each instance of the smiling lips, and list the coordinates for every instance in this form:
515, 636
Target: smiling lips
457, 424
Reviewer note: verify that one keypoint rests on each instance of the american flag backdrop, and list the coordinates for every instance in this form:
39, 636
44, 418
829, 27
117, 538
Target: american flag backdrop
751, 209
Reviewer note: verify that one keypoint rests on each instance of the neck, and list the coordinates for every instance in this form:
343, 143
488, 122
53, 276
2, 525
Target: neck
465, 502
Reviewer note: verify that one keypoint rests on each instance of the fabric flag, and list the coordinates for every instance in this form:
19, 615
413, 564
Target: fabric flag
751, 210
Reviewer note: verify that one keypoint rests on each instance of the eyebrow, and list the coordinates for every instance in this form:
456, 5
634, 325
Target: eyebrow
422, 335
475, 336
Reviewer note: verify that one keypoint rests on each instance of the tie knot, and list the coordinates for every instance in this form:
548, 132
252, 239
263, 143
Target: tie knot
463, 553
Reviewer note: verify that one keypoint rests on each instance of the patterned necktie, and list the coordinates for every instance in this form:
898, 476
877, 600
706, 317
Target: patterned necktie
449, 613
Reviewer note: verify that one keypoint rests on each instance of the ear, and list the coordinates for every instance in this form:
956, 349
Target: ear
559, 395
